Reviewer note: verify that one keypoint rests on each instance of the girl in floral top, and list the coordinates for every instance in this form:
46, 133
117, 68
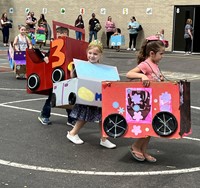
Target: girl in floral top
147, 70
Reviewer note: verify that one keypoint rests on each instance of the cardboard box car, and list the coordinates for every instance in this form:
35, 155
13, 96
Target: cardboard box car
117, 40
17, 60
20, 62
131, 110
40, 38
86, 88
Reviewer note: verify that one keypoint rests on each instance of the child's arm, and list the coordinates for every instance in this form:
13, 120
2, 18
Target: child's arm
72, 70
30, 46
15, 46
136, 73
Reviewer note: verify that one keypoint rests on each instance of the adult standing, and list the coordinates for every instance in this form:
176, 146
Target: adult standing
5, 24
80, 24
42, 22
188, 36
110, 29
31, 21
133, 25
93, 27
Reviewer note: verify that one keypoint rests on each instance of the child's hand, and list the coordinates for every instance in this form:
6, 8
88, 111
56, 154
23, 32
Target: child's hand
162, 78
145, 81
46, 60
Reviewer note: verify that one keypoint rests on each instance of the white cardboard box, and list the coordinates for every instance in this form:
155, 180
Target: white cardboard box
86, 88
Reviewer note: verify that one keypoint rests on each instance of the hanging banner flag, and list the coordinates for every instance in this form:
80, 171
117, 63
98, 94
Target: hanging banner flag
103, 11
125, 11
27, 10
44, 10
62, 10
82, 11
149, 11
11, 10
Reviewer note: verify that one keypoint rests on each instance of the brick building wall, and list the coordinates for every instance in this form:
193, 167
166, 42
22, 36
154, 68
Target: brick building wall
154, 15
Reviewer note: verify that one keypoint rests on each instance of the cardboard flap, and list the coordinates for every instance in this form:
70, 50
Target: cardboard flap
98, 72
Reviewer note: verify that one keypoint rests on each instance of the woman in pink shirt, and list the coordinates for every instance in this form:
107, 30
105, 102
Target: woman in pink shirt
110, 29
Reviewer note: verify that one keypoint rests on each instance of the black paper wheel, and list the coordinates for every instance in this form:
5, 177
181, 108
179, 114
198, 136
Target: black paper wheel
72, 98
164, 123
115, 125
33, 82
58, 75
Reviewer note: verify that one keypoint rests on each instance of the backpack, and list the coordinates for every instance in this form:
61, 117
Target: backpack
139, 28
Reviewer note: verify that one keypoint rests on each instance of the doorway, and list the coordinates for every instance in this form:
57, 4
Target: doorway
181, 14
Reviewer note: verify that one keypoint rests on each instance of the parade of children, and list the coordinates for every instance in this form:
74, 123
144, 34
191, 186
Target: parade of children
100, 94
147, 70
84, 113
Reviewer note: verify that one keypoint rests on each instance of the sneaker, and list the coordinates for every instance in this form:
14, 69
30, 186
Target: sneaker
44, 121
107, 144
71, 123
17, 76
75, 139
186, 53
134, 49
128, 49
24, 76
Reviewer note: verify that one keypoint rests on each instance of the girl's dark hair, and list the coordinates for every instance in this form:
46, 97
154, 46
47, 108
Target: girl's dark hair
133, 17
147, 47
118, 30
